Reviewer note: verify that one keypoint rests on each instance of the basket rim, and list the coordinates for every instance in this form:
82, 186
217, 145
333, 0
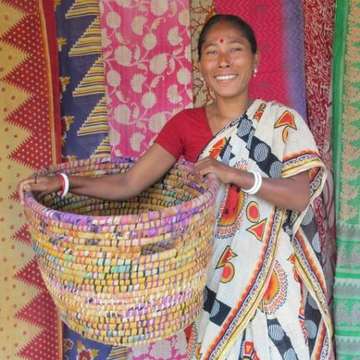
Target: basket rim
100, 220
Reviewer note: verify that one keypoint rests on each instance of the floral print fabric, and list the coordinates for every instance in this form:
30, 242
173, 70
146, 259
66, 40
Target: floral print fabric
147, 56
173, 348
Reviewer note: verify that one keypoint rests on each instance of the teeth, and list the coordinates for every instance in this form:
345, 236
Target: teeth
225, 77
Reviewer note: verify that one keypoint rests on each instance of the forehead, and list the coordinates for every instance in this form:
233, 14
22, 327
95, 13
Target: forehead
226, 31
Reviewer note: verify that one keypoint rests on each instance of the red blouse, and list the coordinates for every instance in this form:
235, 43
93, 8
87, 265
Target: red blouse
187, 133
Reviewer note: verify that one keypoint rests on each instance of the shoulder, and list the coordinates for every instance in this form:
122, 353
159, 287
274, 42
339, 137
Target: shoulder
183, 121
280, 108
187, 117
282, 114
193, 113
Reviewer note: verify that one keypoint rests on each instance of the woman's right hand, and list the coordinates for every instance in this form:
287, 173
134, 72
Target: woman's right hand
46, 184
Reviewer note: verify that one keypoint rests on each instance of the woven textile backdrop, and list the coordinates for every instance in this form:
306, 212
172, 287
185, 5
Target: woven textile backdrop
83, 106
347, 177
279, 28
147, 55
30, 139
83, 110
200, 11
319, 31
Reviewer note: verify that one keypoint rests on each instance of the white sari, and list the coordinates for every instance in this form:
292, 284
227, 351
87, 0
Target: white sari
266, 293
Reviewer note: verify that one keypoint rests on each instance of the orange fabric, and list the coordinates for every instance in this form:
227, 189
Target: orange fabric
30, 139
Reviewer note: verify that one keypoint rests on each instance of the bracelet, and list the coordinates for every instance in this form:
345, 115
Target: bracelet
257, 183
65, 184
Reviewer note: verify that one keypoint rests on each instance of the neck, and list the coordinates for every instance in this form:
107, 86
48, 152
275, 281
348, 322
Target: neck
228, 109
223, 110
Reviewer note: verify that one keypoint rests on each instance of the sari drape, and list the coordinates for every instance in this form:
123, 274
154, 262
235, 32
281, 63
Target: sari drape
266, 293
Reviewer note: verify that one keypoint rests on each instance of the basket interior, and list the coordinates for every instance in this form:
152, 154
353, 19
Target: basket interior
173, 189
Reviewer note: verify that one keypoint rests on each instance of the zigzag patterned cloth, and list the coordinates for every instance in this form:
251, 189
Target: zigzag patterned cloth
83, 104
346, 165
30, 139
84, 114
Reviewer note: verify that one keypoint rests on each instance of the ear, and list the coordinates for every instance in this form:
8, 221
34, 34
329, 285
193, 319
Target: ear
256, 60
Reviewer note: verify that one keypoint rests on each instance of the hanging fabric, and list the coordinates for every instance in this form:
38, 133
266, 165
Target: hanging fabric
318, 68
30, 139
346, 137
279, 29
83, 106
147, 68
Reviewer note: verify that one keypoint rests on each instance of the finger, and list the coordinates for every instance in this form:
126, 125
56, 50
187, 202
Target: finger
201, 164
213, 176
24, 186
204, 171
202, 161
21, 197
22, 189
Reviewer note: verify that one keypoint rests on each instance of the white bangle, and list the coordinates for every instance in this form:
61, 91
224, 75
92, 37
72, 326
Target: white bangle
66, 184
257, 183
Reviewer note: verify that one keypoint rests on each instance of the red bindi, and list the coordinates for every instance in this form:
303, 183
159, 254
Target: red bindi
221, 40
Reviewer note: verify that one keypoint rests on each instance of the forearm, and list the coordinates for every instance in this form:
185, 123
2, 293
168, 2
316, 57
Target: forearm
147, 170
110, 187
289, 193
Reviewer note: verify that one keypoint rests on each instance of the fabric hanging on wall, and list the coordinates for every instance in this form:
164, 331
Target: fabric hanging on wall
319, 29
83, 105
83, 109
76, 347
148, 69
278, 26
346, 135
30, 139
200, 12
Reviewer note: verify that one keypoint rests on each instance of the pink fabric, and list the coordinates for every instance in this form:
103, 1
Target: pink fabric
266, 20
173, 348
278, 26
147, 68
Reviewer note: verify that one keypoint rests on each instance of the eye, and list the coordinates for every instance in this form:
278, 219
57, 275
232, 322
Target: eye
211, 52
236, 49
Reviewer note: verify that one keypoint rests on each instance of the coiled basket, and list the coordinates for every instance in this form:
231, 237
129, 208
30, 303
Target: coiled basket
125, 272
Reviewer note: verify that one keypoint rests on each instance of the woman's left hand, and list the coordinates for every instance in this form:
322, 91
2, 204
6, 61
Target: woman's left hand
209, 165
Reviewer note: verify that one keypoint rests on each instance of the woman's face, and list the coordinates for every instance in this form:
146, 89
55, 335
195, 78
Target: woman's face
227, 62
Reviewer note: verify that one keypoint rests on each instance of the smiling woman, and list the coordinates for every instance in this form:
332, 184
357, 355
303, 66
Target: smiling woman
266, 294
228, 58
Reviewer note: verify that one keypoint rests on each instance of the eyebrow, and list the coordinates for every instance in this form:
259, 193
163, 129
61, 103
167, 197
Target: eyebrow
243, 38
239, 41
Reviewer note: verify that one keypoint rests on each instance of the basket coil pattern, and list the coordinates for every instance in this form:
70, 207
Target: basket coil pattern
125, 272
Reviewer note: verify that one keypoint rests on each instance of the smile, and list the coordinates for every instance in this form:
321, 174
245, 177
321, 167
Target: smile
225, 77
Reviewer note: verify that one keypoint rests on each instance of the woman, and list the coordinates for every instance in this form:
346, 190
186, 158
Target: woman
265, 297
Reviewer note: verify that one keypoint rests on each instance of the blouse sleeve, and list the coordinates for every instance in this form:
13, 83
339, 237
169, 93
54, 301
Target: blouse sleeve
170, 136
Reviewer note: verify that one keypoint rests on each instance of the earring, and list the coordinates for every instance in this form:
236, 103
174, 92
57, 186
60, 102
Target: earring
255, 72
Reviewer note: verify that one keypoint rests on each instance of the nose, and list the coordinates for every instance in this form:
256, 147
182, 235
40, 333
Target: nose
224, 60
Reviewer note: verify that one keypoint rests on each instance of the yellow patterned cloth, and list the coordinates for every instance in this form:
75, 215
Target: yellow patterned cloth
346, 136
200, 12
30, 139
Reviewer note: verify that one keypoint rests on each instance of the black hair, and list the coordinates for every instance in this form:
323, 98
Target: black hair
233, 20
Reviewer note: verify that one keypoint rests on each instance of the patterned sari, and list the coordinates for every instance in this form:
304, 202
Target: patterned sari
266, 293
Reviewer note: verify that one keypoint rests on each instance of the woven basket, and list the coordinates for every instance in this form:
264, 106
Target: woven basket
125, 272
